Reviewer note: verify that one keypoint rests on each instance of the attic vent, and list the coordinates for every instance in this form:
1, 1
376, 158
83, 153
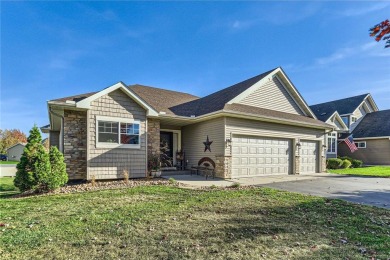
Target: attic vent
322, 114
192, 115
163, 113
70, 102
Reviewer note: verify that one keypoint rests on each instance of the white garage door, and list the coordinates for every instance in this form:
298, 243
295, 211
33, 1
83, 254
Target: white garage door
256, 156
308, 160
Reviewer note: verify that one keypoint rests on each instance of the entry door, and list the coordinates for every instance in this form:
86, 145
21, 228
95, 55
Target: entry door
166, 147
256, 156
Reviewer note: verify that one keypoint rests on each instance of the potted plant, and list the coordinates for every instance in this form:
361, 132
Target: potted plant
154, 165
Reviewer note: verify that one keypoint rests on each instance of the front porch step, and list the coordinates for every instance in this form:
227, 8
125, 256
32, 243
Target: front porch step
168, 173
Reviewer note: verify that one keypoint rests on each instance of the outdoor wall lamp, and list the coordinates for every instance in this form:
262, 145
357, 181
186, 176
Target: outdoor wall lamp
228, 142
298, 145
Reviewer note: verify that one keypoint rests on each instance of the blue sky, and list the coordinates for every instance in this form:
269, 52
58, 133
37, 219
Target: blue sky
55, 49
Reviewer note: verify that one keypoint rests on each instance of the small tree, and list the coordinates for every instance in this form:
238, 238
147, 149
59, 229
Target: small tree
25, 177
58, 176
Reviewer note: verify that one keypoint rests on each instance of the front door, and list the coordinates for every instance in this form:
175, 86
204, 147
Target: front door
166, 149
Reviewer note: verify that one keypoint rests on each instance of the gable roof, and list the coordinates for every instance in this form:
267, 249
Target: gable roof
373, 124
162, 99
343, 106
22, 144
217, 100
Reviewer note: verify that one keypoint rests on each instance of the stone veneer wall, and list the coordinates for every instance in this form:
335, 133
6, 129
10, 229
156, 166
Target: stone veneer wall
109, 163
75, 144
153, 136
223, 166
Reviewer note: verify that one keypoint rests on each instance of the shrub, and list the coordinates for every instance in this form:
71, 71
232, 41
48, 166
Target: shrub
58, 176
357, 163
235, 185
38, 170
334, 163
172, 180
346, 164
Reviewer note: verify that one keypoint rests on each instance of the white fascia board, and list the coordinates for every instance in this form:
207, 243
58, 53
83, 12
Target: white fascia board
290, 88
369, 138
338, 118
86, 103
251, 89
373, 104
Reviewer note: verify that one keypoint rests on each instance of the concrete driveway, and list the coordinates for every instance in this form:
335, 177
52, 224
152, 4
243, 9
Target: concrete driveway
364, 190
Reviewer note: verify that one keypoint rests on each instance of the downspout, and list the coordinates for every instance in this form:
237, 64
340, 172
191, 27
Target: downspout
62, 128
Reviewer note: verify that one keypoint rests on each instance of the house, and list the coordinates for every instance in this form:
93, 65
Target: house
369, 127
15, 152
256, 127
372, 137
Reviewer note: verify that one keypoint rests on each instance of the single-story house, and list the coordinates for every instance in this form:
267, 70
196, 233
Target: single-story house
15, 152
372, 137
259, 126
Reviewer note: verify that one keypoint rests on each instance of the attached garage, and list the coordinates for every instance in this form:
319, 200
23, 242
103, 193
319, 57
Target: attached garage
308, 156
257, 156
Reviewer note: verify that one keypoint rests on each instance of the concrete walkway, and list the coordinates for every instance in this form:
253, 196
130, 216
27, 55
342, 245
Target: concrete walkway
365, 190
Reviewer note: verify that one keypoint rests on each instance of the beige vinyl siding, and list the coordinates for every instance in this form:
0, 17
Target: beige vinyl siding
272, 95
194, 135
369, 106
54, 138
266, 129
377, 151
337, 124
109, 163
362, 110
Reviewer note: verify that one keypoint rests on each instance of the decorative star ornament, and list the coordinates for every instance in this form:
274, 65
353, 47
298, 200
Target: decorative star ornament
207, 144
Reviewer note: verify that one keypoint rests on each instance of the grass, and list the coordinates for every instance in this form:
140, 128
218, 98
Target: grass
7, 187
163, 222
376, 171
9, 162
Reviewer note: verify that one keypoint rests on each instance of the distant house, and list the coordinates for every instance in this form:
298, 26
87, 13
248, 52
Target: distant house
361, 117
259, 126
15, 152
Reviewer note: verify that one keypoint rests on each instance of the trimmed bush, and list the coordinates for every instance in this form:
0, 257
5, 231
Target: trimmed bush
346, 164
357, 163
334, 163
58, 176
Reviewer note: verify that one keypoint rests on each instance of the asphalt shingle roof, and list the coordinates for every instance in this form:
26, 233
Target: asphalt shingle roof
373, 125
216, 101
343, 106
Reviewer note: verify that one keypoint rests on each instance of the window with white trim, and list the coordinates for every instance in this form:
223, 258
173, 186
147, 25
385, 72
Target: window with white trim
332, 142
360, 144
116, 132
345, 119
354, 119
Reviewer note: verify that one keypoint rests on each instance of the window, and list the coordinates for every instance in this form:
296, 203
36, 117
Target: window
108, 132
129, 133
332, 140
360, 144
354, 119
345, 119
117, 132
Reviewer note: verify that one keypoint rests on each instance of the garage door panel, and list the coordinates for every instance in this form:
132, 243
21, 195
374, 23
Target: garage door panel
308, 156
259, 156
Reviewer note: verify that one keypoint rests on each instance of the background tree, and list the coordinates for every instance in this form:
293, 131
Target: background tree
381, 31
9, 138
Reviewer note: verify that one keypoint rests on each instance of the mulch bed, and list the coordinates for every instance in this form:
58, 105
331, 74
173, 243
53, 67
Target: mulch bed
101, 185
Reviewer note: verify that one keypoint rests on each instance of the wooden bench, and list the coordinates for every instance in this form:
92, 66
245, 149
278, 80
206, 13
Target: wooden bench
205, 171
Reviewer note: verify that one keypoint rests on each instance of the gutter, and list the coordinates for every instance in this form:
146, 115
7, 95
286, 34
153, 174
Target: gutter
62, 127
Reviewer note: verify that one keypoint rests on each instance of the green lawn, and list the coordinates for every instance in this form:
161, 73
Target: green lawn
166, 222
377, 171
9, 162
7, 187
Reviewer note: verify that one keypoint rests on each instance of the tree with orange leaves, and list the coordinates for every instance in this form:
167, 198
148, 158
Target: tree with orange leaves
380, 30
9, 138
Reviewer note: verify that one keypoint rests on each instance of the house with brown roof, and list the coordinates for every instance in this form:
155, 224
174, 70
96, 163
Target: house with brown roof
259, 126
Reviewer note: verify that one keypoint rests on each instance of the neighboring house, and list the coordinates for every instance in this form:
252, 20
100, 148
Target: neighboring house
15, 152
372, 137
364, 121
256, 127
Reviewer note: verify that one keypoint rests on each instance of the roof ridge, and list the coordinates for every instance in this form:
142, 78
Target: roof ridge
162, 89
341, 99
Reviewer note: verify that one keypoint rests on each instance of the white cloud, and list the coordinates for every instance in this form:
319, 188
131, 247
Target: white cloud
364, 10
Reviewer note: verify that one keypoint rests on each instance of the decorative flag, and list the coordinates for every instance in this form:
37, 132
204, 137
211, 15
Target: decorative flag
351, 144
